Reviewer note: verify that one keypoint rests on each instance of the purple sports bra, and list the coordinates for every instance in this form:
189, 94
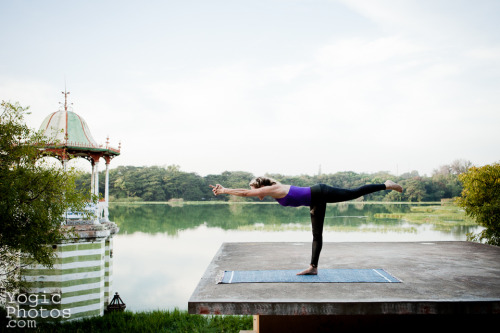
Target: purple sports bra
297, 196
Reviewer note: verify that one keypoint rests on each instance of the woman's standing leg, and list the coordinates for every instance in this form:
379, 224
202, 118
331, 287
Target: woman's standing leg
317, 222
317, 212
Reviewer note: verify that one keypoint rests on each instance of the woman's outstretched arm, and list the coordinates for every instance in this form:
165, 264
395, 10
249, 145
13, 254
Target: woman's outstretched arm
275, 191
240, 192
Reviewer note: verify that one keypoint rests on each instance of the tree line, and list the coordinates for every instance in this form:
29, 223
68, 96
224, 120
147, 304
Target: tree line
164, 183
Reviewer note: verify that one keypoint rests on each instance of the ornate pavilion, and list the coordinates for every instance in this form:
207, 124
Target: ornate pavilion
71, 138
82, 275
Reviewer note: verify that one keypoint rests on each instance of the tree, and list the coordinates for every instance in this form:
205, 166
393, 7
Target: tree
34, 195
481, 200
414, 189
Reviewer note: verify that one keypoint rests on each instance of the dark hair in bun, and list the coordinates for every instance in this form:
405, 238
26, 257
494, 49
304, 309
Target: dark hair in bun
262, 181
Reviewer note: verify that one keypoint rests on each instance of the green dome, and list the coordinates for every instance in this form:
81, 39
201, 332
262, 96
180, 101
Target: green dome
66, 127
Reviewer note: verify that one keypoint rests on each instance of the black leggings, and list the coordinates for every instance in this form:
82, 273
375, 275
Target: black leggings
322, 194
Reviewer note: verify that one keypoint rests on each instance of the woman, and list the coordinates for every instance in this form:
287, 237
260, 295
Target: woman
316, 197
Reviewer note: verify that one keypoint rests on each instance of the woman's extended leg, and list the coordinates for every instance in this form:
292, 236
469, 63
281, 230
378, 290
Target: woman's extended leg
335, 194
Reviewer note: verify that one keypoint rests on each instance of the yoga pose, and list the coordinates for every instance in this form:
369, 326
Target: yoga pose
316, 197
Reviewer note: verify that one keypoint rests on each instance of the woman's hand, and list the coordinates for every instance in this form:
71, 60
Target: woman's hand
217, 189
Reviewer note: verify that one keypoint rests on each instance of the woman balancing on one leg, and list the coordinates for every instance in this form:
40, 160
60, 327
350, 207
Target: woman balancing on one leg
316, 197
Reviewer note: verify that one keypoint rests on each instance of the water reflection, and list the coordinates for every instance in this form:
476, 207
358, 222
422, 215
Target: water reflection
162, 251
158, 218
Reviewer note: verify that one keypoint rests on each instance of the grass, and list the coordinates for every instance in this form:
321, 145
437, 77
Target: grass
439, 215
152, 321
443, 217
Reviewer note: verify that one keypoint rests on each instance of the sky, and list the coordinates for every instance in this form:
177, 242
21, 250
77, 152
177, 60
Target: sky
265, 86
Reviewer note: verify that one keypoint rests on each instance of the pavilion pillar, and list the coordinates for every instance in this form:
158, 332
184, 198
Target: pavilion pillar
94, 159
63, 157
95, 183
95, 188
92, 177
106, 190
96, 180
64, 162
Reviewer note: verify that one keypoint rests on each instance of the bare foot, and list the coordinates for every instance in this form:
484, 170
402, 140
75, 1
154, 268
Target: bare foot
310, 271
390, 185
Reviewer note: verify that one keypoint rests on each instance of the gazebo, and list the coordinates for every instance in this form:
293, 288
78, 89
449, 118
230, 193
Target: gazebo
82, 276
69, 137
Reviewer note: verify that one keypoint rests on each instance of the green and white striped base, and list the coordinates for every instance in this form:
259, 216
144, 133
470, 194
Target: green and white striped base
80, 282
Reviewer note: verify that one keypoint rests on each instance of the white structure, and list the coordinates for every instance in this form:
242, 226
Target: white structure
71, 138
80, 283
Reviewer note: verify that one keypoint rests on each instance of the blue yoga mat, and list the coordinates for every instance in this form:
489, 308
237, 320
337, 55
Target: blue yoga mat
324, 276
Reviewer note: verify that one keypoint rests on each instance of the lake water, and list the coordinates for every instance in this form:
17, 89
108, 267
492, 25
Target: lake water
162, 251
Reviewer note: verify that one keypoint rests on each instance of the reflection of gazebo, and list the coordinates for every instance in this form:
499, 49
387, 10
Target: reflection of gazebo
70, 137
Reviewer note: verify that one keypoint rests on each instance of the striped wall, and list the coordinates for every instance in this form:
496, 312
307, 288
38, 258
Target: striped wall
80, 282
108, 271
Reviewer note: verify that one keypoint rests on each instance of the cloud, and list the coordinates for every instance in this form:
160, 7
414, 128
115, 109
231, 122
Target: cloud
39, 95
485, 53
388, 12
358, 52
352, 80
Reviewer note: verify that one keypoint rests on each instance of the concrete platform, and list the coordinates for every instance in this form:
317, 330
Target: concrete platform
441, 278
